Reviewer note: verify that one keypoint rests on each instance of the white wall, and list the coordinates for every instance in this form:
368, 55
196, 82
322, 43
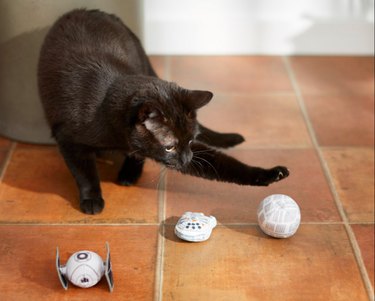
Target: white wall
259, 26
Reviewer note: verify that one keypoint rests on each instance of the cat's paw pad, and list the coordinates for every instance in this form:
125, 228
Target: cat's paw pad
279, 172
272, 175
92, 205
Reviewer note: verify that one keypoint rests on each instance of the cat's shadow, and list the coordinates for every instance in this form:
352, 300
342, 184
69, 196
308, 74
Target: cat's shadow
48, 176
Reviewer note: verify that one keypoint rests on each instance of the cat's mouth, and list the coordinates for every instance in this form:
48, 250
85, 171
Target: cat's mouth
175, 166
181, 162
168, 165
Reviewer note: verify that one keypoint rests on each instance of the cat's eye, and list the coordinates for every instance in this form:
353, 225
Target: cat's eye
170, 148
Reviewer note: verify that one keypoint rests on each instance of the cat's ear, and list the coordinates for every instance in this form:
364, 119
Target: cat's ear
196, 99
148, 111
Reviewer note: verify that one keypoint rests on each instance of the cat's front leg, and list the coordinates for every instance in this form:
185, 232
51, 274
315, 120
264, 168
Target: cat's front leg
81, 162
131, 170
213, 165
215, 139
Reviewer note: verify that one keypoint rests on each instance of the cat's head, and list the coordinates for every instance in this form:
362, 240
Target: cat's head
166, 123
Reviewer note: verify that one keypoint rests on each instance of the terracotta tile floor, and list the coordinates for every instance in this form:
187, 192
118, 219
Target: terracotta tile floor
312, 114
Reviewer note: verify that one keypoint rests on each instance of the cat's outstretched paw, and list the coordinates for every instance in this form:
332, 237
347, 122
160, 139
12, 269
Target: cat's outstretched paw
272, 175
92, 206
280, 172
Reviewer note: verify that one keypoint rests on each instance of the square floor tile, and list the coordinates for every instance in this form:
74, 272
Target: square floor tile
37, 187
231, 74
264, 120
4, 143
365, 238
27, 261
231, 203
327, 75
241, 263
352, 170
346, 120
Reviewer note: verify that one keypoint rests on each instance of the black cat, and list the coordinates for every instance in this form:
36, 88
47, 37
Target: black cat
100, 92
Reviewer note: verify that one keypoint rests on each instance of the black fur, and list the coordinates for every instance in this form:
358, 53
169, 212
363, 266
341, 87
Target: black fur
100, 92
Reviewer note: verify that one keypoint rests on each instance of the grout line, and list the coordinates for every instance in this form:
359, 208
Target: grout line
300, 102
329, 178
302, 223
158, 290
257, 224
362, 223
162, 195
270, 147
285, 93
250, 95
361, 264
35, 223
338, 147
7, 160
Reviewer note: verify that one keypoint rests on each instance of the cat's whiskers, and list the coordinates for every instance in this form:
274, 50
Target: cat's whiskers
208, 163
196, 164
133, 153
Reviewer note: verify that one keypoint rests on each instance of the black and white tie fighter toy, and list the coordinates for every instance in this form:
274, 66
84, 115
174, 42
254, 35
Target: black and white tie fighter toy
85, 269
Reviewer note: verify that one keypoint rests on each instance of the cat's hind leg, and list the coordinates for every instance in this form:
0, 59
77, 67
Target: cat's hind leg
220, 140
131, 170
82, 165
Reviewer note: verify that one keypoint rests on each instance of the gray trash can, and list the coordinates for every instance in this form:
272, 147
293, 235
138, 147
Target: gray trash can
23, 26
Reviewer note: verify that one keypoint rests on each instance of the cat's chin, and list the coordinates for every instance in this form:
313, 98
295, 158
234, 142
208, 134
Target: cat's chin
177, 167
171, 166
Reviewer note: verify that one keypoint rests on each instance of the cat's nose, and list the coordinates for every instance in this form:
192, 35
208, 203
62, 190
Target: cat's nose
186, 157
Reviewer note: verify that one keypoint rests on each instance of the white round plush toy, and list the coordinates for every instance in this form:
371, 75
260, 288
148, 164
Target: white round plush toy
279, 216
84, 268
